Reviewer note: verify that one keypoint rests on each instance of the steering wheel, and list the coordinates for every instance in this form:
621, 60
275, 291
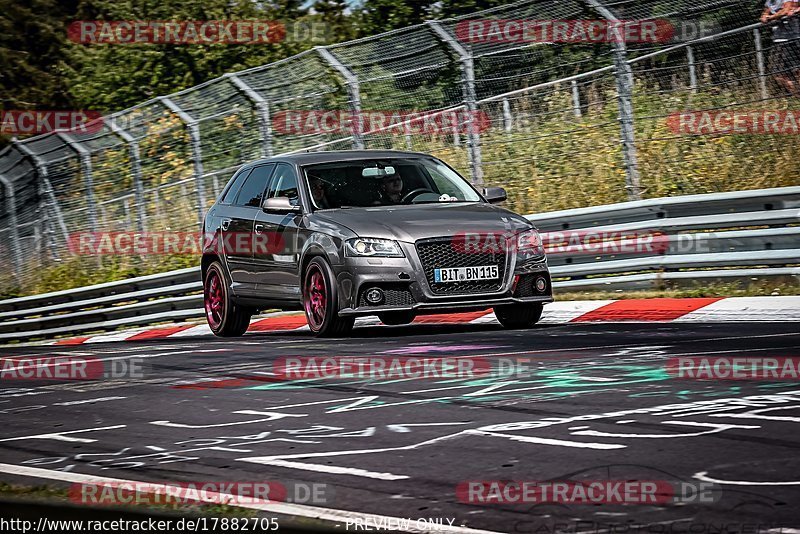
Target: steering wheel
414, 194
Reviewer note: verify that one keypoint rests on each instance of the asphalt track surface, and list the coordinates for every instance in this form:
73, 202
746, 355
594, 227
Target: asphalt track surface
209, 409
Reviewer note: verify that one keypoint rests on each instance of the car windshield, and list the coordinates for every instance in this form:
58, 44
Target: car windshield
386, 182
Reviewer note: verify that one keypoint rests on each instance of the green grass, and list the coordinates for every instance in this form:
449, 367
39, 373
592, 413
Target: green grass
53, 495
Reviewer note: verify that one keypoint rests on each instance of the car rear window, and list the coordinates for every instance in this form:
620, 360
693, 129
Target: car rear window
234, 187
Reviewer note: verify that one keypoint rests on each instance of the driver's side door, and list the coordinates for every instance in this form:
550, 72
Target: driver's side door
276, 265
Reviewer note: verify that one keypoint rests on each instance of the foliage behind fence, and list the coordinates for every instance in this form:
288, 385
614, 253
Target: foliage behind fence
571, 125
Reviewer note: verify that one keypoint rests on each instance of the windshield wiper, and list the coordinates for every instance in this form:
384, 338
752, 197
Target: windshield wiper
438, 202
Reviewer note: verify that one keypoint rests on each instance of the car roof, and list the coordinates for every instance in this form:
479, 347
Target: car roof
311, 158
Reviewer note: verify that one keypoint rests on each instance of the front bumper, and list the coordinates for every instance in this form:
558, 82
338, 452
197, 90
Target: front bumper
407, 289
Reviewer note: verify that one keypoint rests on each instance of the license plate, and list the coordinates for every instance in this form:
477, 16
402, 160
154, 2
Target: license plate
466, 274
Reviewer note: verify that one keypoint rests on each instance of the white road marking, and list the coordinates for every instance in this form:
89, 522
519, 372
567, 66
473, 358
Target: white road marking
265, 459
405, 427
548, 441
272, 417
87, 401
336, 470
717, 428
301, 510
62, 436
703, 477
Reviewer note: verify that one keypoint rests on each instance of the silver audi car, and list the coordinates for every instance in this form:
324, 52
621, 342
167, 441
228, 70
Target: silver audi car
355, 233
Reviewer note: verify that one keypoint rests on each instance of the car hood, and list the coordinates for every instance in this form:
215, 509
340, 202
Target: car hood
410, 223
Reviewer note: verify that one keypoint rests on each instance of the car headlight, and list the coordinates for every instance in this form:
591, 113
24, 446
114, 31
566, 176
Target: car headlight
529, 244
376, 248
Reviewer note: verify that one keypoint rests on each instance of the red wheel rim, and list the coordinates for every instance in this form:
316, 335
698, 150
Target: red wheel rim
214, 299
316, 298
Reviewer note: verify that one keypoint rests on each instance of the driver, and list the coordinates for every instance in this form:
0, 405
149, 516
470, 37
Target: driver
317, 186
392, 189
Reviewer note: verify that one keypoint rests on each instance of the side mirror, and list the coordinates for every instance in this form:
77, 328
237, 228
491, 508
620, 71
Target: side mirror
279, 205
495, 195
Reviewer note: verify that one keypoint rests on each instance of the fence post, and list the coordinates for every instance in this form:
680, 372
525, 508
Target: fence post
470, 100
507, 121
576, 100
197, 153
624, 76
88, 179
354, 92
45, 190
692, 69
136, 169
762, 70
13, 226
262, 108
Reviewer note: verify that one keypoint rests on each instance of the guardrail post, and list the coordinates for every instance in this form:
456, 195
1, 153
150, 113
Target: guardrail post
88, 180
193, 126
354, 93
13, 226
262, 108
470, 100
762, 71
692, 69
624, 77
45, 191
136, 170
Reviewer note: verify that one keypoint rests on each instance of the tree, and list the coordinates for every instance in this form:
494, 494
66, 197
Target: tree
32, 55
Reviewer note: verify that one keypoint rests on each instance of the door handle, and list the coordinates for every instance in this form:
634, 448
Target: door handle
259, 229
225, 224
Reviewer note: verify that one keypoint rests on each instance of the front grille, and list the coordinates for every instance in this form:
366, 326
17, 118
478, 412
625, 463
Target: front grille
394, 295
440, 253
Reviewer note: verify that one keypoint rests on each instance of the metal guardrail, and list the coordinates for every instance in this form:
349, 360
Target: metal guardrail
721, 236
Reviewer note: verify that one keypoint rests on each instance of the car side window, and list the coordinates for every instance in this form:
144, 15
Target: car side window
235, 186
284, 184
252, 192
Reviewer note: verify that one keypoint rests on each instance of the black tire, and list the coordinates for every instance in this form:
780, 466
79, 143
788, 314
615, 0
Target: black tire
396, 318
225, 318
321, 301
519, 315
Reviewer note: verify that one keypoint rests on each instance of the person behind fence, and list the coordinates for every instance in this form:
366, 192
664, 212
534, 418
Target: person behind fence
786, 36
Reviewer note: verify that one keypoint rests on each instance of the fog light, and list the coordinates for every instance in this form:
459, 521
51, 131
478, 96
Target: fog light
541, 284
374, 296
